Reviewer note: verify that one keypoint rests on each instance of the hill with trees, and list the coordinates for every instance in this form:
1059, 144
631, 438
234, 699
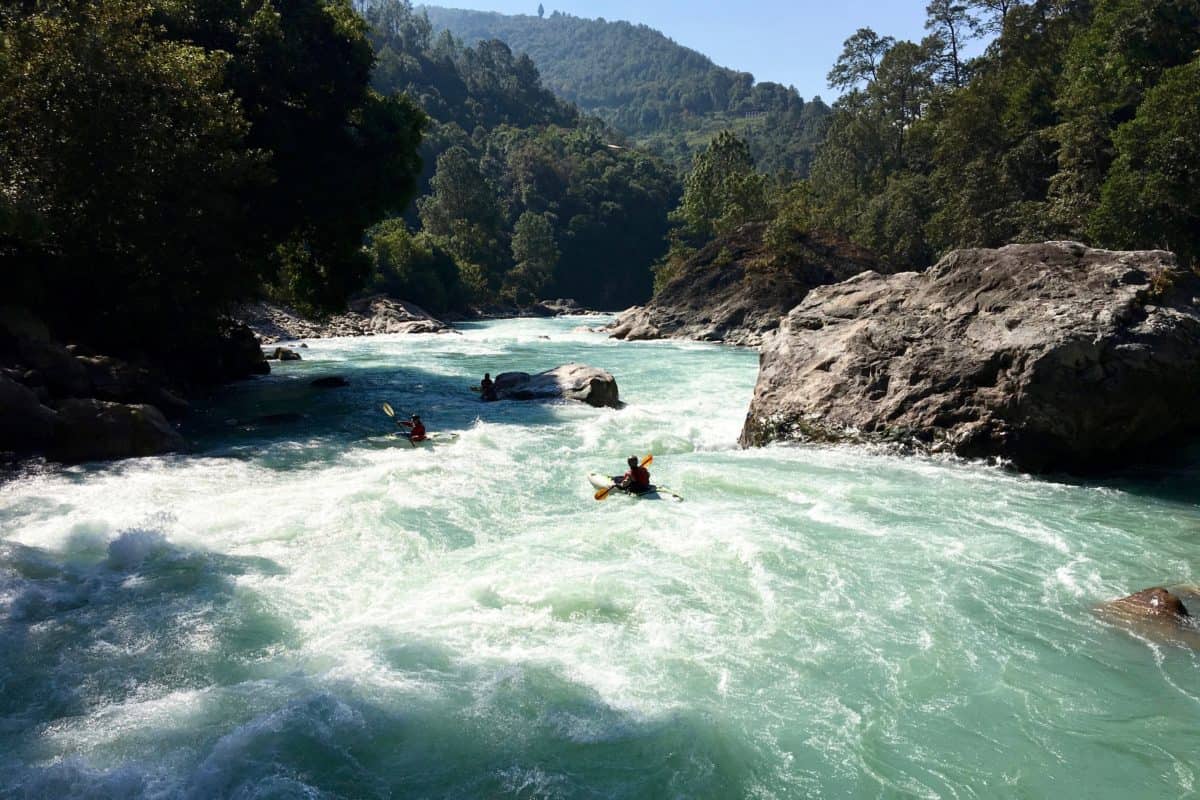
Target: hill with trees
661, 94
522, 196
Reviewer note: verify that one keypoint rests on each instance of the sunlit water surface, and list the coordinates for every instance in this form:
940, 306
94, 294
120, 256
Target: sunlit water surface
303, 609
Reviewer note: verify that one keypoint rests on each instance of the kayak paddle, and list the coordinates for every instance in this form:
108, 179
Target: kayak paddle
603, 493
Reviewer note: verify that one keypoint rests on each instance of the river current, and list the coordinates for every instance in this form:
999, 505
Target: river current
304, 607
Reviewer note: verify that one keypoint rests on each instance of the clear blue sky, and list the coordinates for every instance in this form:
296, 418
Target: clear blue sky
787, 42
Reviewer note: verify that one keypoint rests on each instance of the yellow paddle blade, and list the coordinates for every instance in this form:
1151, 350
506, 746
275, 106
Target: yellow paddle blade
647, 460
387, 409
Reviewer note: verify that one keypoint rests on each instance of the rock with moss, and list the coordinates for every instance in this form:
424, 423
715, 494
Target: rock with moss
1053, 357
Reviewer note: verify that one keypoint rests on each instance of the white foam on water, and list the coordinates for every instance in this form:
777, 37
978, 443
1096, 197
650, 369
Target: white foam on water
306, 610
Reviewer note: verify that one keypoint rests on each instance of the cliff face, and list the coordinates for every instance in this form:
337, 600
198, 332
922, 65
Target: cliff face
1052, 356
732, 291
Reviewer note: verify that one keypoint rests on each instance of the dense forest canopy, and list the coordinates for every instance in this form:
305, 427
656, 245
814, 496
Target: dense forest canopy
661, 94
522, 197
1081, 120
161, 159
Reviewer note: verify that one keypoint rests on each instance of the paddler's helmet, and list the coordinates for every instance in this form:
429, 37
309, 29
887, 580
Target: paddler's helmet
416, 417
631, 461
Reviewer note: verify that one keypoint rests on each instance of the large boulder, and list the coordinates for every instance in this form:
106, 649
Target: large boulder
25, 424
95, 430
121, 382
385, 315
568, 382
736, 289
1053, 356
56, 367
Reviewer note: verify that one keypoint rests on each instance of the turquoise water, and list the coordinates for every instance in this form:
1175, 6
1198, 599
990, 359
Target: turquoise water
306, 608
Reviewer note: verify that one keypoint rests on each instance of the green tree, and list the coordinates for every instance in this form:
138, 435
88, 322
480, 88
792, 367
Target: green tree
414, 267
541, 11
953, 26
1151, 197
722, 191
125, 172
535, 254
859, 61
463, 213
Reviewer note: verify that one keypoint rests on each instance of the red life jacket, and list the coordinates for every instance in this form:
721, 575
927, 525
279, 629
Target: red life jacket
638, 478
418, 430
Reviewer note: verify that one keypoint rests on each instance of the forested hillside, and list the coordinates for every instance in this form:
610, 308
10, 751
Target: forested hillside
1081, 121
522, 197
665, 96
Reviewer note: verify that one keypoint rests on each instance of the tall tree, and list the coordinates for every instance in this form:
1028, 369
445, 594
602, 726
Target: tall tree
541, 11
859, 61
953, 26
722, 191
535, 254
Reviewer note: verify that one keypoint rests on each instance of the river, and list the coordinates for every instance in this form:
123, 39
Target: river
303, 608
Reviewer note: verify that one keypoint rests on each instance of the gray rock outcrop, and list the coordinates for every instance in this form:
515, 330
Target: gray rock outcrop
365, 316
735, 290
568, 382
1052, 356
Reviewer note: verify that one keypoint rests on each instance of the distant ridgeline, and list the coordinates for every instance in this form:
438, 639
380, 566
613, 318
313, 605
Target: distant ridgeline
663, 95
522, 196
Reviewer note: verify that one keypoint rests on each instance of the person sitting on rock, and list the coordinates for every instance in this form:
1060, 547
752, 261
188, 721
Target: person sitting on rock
487, 389
637, 479
416, 428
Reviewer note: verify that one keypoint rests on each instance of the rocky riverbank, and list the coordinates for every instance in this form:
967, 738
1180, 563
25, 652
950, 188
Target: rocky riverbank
1053, 356
70, 404
734, 291
365, 316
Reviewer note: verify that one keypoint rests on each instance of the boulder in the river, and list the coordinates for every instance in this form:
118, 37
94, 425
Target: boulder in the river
25, 424
1052, 356
331, 382
1154, 602
95, 430
1155, 613
736, 288
568, 382
238, 356
283, 354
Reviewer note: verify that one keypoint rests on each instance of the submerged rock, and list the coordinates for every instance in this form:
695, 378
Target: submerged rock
1054, 356
331, 382
1155, 613
568, 382
734, 290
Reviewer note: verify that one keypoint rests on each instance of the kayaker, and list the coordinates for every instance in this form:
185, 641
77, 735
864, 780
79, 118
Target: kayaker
416, 428
487, 389
637, 479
